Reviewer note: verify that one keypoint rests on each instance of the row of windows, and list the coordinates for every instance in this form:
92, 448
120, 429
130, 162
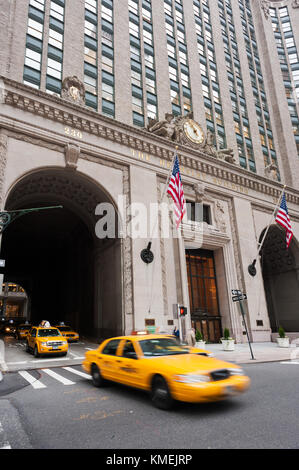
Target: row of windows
143, 74
289, 63
34, 45
105, 51
257, 83
180, 91
208, 69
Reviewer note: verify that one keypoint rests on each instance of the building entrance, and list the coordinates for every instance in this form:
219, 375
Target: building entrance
69, 274
205, 315
280, 267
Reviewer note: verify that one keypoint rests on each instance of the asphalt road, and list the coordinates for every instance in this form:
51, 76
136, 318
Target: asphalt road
76, 415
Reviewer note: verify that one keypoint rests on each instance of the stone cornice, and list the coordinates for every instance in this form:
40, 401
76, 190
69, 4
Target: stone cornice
79, 117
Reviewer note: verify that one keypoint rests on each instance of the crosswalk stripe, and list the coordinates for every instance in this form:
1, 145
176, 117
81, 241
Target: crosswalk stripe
58, 377
32, 380
77, 372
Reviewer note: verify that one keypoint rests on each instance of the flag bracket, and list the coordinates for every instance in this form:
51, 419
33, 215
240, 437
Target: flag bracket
252, 268
147, 255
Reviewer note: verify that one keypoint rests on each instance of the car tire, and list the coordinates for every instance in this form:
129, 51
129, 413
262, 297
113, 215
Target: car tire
160, 395
97, 378
36, 353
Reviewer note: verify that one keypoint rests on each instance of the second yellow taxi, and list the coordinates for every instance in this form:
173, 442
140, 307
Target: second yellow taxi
168, 370
68, 333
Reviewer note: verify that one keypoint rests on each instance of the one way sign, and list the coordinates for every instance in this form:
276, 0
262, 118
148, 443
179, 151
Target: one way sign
237, 298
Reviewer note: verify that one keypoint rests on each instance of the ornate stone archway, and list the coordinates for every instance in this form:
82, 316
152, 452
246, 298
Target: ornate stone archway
280, 269
88, 269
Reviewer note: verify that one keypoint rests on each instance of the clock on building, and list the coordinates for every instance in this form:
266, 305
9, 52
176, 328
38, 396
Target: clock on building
193, 131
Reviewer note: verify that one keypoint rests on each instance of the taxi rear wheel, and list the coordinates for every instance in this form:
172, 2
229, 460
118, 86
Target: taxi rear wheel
161, 396
97, 378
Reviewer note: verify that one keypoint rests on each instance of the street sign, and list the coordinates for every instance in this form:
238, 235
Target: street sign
239, 297
236, 292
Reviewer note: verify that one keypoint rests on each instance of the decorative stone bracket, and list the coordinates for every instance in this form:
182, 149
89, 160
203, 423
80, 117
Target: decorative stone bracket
72, 154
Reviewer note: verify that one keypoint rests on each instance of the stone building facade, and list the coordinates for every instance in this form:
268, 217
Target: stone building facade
77, 131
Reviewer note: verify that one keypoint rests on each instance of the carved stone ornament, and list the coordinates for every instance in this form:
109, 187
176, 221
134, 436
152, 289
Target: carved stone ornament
73, 90
295, 4
72, 153
271, 171
266, 8
199, 189
222, 154
181, 129
220, 216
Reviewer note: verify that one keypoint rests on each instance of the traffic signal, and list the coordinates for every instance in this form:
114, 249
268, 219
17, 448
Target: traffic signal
182, 311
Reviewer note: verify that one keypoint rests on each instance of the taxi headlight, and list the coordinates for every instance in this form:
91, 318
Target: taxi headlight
44, 344
64, 342
191, 379
236, 372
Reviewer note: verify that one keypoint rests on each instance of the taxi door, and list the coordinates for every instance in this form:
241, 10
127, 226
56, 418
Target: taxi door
107, 360
129, 366
31, 338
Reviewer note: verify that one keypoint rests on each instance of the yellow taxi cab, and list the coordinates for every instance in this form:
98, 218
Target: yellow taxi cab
68, 333
22, 331
41, 340
168, 370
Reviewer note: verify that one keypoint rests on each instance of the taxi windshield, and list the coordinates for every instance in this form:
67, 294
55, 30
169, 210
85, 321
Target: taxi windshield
64, 328
48, 332
162, 347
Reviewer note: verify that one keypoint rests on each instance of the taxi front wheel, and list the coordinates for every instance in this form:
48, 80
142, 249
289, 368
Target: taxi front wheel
97, 378
160, 395
36, 353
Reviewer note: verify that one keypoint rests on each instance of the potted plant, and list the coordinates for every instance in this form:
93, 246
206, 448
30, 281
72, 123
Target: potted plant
283, 341
228, 343
200, 342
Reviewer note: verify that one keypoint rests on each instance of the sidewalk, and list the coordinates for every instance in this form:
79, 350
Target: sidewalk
262, 352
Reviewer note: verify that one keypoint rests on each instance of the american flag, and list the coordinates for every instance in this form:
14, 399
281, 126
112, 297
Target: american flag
283, 219
175, 189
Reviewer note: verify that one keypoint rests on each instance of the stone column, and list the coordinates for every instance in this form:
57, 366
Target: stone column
252, 286
3, 159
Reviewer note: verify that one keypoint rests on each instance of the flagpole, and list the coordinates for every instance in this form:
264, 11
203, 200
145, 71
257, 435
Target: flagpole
251, 267
146, 254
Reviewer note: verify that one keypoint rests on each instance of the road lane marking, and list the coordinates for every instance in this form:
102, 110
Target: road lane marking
289, 362
58, 377
15, 363
78, 372
32, 380
51, 359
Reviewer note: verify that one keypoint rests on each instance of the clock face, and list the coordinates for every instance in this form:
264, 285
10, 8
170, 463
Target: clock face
193, 131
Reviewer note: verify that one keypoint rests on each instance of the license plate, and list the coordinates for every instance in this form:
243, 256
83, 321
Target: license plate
55, 347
